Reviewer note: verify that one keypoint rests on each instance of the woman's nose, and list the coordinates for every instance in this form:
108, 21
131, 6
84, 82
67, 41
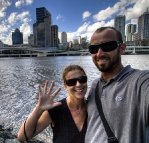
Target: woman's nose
78, 83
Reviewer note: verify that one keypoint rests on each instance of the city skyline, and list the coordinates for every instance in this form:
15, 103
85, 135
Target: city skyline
76, 18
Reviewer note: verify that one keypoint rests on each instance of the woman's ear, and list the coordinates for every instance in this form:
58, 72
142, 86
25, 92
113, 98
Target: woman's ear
65, 86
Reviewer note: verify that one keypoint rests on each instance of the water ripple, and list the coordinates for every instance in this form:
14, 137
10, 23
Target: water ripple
20, 77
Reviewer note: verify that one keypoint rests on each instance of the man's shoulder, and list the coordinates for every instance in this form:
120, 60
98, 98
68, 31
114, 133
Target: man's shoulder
133, 73
92, 88
141, 73
95, 81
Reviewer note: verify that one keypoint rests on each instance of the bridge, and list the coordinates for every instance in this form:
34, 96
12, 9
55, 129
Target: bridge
52, 51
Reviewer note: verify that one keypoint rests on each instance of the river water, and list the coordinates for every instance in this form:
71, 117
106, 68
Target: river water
19, 78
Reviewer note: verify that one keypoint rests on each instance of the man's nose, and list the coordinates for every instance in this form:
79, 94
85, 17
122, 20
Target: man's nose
100, 52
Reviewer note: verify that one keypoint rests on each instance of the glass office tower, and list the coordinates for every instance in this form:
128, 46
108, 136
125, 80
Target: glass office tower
119, 24
42, 28
17, 37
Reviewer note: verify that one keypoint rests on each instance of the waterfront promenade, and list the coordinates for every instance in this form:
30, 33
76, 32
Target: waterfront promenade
42, 52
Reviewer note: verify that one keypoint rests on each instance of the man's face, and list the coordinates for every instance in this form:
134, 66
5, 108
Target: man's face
106, 61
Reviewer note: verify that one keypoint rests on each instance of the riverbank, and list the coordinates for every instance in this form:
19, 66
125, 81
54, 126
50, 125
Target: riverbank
21, 56
7, 137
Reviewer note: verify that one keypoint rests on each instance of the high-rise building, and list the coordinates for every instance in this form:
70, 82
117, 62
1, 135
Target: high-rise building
143, 26
54, 36
83, 40
79, 40
17, 37
1, 44
119, 24
63, 37
42, 27
31, 40
130, 29
135, 36
70, 44
75, 41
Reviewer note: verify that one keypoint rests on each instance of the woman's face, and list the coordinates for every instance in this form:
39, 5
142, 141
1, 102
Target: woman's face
78, 90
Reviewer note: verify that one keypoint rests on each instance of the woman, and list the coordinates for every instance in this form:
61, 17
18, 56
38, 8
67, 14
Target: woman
68, 117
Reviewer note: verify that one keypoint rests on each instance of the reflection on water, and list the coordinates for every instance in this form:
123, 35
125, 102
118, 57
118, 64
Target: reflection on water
20, 76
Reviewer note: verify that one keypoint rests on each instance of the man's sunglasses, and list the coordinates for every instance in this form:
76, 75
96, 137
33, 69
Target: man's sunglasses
73, 81
105, 47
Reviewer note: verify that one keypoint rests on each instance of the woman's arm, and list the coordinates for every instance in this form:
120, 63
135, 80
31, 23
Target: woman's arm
39, 119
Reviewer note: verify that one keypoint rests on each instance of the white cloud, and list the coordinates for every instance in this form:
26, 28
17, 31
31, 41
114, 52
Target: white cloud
26, 30
86, 14
29, 2
14, 17
71, 36
138, 8
3, 6
110, 23
26, 20
4, 27
131, 9
107, 13
83, 27
19, 3
59, 16
134, 21
93, 27
8, 38
110, 11
82, 31
87, 29
23, 15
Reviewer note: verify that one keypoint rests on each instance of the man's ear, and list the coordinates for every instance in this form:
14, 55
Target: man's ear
122, 48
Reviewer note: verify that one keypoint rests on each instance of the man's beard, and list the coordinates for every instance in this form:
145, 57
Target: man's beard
112, 64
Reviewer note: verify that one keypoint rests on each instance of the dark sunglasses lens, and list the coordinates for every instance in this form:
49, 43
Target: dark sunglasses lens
82, 79
106, 47
109, 46
93, 49
72, 82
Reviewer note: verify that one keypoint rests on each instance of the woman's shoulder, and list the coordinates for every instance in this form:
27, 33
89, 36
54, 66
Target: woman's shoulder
63, 105
58, 111
62, 100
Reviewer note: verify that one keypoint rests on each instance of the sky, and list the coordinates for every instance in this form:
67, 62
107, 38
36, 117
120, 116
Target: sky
75, 17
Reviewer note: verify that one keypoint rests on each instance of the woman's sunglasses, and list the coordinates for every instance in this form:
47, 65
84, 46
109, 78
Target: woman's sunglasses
73, 81
105, 47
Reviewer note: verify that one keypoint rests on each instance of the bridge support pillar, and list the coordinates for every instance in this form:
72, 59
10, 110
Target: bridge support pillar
41, 55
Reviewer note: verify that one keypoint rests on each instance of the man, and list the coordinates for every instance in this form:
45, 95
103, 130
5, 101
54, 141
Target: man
124, 92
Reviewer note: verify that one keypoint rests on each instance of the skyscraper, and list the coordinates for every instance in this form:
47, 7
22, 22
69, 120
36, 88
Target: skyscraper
1, 44
143, 26
119, 24
42, 27
17, 37
130, 29
54, 35
79, 40
31, 40
63, 37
